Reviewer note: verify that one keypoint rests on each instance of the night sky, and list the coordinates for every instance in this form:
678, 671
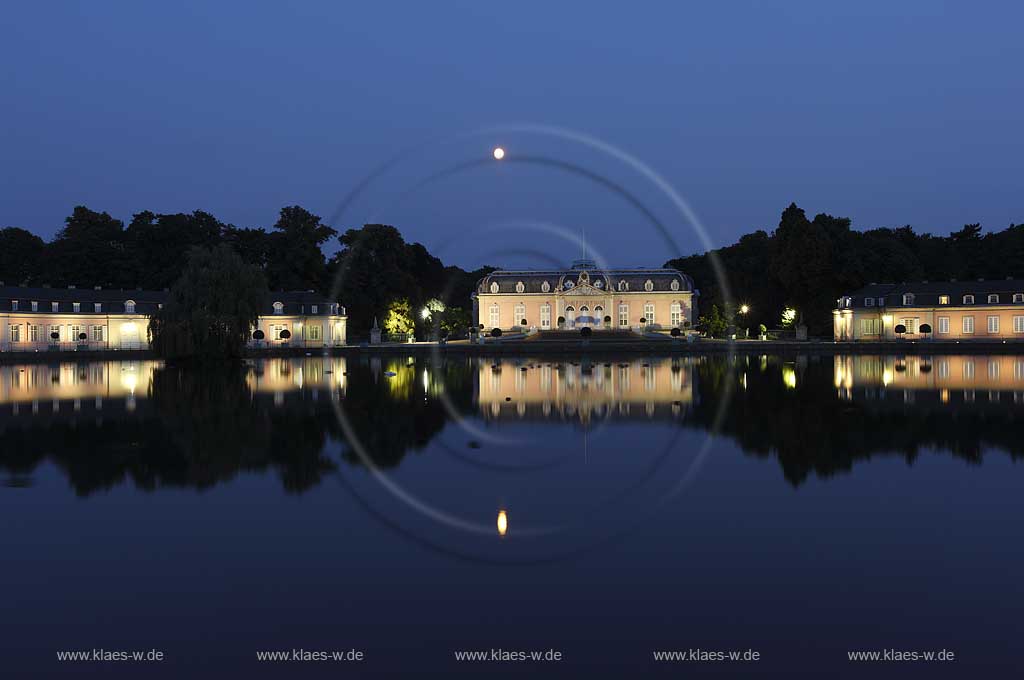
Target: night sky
889, 113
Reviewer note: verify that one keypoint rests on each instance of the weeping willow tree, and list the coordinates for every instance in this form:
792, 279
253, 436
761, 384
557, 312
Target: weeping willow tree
211, 308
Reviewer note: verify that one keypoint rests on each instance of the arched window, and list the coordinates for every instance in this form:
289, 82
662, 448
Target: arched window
278, 308
494, 288
676, 315
545, 287
520, 287
570, 316
568, 285
599, 284
649, 285
623, 285
599, 315
675, 284
129, 306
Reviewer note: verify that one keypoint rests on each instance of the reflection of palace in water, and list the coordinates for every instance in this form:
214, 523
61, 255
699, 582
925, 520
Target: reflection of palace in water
944, 378
638, 388
68, 388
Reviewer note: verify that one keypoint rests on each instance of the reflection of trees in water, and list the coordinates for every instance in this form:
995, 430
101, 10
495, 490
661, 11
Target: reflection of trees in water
809, 429
197, 429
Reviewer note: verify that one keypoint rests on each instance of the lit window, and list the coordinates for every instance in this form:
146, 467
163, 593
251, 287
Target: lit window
279, 308
15, 331
943, 299
545, 316
993, 324
97, 333
313, 310
676, 315
943, 325
649, 312
520, 314
129, 307
968, 299
968, 325
495, 317
623, 315
993, 299
1018, 324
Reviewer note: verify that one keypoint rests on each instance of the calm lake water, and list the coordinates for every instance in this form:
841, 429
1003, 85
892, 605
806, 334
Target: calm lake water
604, 507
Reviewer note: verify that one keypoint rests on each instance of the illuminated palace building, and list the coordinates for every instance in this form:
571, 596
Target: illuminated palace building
941, 310
585, 296
42, 319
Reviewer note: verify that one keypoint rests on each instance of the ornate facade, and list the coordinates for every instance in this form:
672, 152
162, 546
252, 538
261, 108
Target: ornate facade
585, 296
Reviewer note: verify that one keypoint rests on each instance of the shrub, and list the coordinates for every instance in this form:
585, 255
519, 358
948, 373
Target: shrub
676, 332
585, 332
495, 332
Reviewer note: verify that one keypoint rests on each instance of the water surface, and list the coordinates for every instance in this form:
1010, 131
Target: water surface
802, 507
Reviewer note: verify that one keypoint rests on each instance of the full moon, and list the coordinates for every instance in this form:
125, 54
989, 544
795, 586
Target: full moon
499, 153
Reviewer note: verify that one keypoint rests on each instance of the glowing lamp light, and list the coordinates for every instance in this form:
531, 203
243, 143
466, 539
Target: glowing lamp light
499, 153
502, 523
744, 309
424, 313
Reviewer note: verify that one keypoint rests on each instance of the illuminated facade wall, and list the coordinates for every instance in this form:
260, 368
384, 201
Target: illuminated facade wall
1003, 373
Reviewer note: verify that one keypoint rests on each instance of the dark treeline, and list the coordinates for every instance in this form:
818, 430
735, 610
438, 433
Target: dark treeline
807, 264
373, 269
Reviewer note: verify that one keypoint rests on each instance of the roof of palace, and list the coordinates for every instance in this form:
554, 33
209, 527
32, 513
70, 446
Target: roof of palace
926, 293
585, 272
113, 300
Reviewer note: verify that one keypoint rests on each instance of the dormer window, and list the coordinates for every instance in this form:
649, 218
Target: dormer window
14, 305
278, 308
869, 302
520, 287
76, 307
129, 307
881, 302
568, 284
97, 307
599, 284
35, 306
313, 309
908, 298
623, 285
494, 286
55, 306
1018, 297
674, 285
943, 299
993, 299
648, 285
968, 299
545, 287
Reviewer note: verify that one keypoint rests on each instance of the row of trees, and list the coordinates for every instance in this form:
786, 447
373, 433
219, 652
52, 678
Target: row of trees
374, 273
806, 264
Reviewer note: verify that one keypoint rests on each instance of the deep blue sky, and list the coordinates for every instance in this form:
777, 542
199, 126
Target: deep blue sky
889, 113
